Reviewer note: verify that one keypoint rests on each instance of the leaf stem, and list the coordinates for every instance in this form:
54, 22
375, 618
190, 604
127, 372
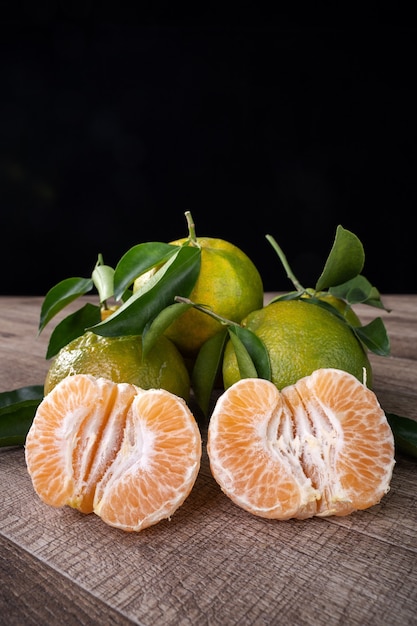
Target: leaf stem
204, 309
285, 263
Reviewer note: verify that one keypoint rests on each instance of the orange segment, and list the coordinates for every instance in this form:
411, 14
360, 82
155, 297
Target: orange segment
320, 447
251, 449
128, 454
156, 465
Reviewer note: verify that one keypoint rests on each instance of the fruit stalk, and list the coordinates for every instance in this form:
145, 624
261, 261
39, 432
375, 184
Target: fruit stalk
191, 229
285, 264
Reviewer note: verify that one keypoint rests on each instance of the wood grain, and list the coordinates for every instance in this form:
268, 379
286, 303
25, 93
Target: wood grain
30, 594
212, 563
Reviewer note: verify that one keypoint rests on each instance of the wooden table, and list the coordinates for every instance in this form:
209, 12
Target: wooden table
212, 563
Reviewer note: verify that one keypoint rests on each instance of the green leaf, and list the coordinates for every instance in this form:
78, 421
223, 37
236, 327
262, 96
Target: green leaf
374, 336
312, 300
207, 368
103, 280
159, 325
345, 261
354, 291
404, 430
61, 295
291, 295
137, 261
256, 349
10, 398
358, 290
251, 353
375, 300
72, 327
245, 364
176, 277
17, 410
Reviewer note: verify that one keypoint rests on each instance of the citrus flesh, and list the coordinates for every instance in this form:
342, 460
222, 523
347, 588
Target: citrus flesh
229, 284
317, 448
127, 454
301, 338
120, 360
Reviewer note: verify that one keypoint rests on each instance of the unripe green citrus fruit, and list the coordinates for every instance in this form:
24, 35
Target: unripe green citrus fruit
301, 338
120, 360
229, 284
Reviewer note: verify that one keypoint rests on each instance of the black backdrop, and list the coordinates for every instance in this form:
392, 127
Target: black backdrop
113, 124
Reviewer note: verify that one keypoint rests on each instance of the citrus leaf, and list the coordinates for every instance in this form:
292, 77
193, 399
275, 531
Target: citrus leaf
176, 277
159, 325
325, 305
206, 369
62, 294
375, 300
8, 399
358, 290
404, 430
354, 291
256, 350
345, 261
291, 295
138, 260
17, 410
374, 336
245, 364
72, 327
103, 280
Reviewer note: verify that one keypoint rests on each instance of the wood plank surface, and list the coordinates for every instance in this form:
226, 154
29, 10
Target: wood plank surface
212, 563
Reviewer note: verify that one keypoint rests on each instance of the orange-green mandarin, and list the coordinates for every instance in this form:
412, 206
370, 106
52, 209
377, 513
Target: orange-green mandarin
229, 284
301, 338
120, 359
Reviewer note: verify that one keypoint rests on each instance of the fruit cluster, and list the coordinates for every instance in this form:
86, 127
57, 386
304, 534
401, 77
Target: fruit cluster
205, 296
296, 430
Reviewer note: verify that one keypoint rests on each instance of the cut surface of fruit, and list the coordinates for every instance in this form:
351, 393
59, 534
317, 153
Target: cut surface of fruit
322, 446
127, 454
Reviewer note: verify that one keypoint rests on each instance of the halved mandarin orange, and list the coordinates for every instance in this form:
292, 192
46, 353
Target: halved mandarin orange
322, 446
127, 454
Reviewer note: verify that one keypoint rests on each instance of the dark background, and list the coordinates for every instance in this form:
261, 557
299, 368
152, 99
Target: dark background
115, 122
